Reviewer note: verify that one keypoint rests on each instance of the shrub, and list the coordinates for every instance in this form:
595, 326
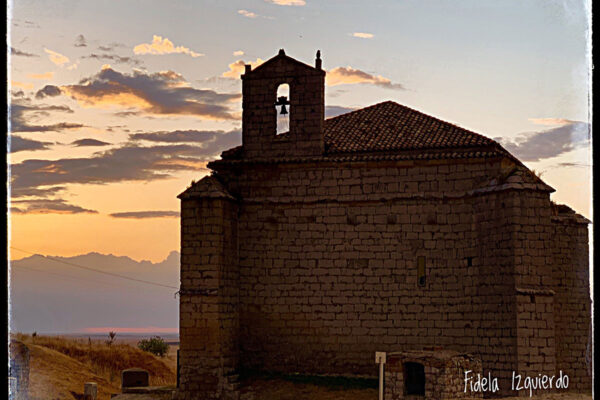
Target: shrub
155, 345
111, 338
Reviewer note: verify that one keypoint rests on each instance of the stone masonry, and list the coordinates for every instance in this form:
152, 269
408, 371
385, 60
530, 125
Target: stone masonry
383, 229
443, 373
18, 370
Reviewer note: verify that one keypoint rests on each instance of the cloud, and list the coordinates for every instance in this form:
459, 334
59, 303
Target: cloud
571, 165
146, 214
287, 2
46, 128
47, 91
47, 206
80, 41
114, 58
25, 23
112, 46
248, 14
349, 75
334, 111
132, 162
89, 143
130, 113
21, 115
363, 35
551, 121
161, 93
213, 142
123, 128
161, 46
336, 92
549, 143
18, 143
56, 58
36, 192
237, 68
44, 76
17, 52
23, 85
238, 53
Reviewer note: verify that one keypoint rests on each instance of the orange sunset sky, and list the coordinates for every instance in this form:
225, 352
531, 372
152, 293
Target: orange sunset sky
115, 107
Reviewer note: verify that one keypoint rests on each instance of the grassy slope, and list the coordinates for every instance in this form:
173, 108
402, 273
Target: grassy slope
54, 375
59, 366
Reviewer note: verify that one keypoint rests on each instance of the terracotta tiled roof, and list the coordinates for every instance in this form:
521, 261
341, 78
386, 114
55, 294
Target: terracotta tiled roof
389, 126
396, 131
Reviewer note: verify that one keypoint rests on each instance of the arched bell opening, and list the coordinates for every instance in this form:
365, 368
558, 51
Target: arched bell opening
282, 107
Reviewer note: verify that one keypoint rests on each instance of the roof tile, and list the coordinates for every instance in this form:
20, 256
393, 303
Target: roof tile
389, 126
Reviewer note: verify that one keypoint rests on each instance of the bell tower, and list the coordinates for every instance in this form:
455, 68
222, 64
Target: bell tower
305, 108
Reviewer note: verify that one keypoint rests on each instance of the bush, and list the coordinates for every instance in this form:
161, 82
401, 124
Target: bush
155, 345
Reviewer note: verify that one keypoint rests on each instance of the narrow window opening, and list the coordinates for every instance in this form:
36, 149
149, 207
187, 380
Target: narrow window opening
282, 106
414, 379
421, 276
469, 261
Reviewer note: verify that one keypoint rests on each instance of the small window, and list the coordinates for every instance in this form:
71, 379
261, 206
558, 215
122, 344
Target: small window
282, 106
414, 379
421, 275
469, 261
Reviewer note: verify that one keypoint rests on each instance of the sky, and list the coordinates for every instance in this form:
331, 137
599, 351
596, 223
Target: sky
52, 295
117, 106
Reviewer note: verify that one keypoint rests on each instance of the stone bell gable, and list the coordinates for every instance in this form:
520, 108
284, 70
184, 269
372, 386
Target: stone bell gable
307, 108
383, 229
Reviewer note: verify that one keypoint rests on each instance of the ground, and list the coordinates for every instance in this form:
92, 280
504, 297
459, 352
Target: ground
54, 375
60, 367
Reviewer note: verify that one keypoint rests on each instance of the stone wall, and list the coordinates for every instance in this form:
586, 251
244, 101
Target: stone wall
328, 264
19, 370
317, 268
444, 375
533, 260
208, 326
572, 305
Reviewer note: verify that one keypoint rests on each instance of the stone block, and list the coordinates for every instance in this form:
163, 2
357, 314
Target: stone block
134, 377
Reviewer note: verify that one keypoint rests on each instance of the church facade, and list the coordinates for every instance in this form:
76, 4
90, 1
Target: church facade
383, 229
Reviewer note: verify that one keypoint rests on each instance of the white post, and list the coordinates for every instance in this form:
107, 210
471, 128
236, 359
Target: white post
90, 391
380, 358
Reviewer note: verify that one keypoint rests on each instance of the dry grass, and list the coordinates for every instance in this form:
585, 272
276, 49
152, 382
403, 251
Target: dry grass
91, 359
54, 375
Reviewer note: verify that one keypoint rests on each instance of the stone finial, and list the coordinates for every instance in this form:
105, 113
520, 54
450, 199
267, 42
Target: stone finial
281, 52
318, 60
247, 68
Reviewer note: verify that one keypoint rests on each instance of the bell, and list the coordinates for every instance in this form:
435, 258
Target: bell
284, 110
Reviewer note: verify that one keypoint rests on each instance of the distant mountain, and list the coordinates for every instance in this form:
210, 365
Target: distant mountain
52, 295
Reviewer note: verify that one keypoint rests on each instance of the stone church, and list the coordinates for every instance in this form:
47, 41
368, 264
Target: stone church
383, 229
